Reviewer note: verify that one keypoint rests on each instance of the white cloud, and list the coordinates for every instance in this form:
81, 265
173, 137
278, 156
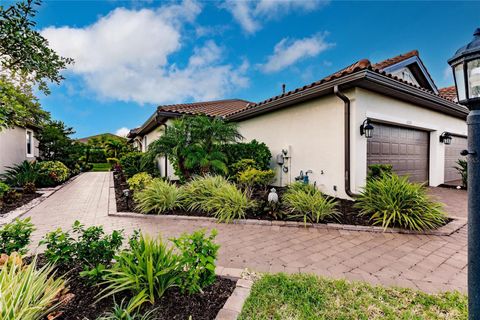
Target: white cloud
126, 56
289, 51
122, 132
248, 13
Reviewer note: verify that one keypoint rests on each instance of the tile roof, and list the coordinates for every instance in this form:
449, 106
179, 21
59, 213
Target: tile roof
449, 93
391, 61
219, 108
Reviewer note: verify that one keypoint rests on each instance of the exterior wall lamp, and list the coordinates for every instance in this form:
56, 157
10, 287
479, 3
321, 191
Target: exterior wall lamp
466, 72
446, 138
366, 129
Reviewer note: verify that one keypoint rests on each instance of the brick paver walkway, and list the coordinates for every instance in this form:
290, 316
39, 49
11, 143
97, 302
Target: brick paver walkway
429, 263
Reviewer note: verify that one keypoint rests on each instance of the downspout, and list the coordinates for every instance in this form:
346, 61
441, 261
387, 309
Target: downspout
346, 143
166, 158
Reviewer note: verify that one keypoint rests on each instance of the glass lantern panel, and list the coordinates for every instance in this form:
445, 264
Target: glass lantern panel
460, 80
473, 71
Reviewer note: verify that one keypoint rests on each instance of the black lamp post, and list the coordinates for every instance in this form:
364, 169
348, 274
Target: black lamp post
466, 71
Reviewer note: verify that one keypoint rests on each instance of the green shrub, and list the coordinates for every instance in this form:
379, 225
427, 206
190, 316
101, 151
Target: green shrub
198, 255
251, 150
11, 196
158, 197
52, 173
15, 236
462, 168
147, 270
113, 162
253, 177
139, 181
91, 248
241, 166
216, 196
306, 201
377, 170
29, 188
392, 201
28, 292
3, 188
22, 173
136, 162
97, 155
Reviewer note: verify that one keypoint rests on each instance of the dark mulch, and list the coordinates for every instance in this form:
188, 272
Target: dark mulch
26, 198
173, 305
348, 213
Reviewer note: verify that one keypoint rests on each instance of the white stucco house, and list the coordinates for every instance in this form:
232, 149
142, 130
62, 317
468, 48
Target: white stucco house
16, 145
317, 128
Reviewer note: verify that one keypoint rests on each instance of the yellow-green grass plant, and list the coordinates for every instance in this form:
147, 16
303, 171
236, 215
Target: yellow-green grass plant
158, 197
26, 291
393, 201
306, 201
216, 196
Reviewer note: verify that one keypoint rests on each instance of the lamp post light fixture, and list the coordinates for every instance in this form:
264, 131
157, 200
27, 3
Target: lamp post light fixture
466, 72
366, 129
446, 138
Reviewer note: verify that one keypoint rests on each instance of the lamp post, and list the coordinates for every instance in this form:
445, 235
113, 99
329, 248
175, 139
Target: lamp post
466, 71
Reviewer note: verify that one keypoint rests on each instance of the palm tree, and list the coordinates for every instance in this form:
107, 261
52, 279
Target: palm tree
114, 146
192, 144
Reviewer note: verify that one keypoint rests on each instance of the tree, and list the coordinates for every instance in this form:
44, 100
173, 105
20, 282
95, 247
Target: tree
192, 144
18, 105
23, 50
25, 61
114, 147
55, 144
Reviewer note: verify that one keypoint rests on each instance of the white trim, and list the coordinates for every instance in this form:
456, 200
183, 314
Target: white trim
30, 154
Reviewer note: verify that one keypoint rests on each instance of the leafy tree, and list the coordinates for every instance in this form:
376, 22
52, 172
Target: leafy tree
55, 144
115, 147
193, 144
23, 50
18, 105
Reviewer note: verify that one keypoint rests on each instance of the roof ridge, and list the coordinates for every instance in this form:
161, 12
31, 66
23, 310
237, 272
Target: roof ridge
396, 59
201, 102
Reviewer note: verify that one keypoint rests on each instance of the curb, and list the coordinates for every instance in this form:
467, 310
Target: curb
234, 304
453, 226
46, 193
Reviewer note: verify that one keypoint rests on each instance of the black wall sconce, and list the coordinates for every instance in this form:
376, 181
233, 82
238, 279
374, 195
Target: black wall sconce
366, 129
446, 138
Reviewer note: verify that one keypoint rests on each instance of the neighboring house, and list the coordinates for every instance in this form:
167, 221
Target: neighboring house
317, 127
16, 145
101, 137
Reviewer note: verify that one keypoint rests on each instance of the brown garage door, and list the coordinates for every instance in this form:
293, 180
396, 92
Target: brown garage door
452, 154
404, 148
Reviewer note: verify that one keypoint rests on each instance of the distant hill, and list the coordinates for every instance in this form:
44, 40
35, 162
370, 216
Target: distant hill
102, 135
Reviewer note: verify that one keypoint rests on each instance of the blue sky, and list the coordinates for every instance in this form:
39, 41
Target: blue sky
132, 56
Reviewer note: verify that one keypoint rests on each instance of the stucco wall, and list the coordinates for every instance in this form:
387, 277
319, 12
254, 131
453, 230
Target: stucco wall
313, 134
13, 149
367, 104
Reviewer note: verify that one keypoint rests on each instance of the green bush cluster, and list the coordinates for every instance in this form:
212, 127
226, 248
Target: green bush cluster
15, 236
90, 247
378, 170
52, 173
149, 267
22, 173
392, 201
3, 188
136, 162
306, 201
258, 151
139, 181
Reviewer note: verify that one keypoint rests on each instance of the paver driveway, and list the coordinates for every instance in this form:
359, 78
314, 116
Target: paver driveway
429, 263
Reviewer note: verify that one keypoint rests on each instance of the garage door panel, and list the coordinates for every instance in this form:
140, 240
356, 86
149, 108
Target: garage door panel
452, 154
404, 148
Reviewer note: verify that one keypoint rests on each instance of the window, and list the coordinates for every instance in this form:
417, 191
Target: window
29, 143
145, 145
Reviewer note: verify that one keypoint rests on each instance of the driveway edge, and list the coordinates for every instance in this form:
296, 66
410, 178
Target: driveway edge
46, 193
453, 226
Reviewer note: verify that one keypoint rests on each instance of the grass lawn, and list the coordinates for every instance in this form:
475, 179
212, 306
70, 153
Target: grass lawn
101, 167
302, 296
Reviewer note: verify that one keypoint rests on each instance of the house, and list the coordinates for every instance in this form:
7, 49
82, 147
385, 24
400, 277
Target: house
16, 145
320, 127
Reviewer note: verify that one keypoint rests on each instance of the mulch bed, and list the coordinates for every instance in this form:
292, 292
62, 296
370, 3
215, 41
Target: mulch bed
26, 198
173, 305
348, 214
